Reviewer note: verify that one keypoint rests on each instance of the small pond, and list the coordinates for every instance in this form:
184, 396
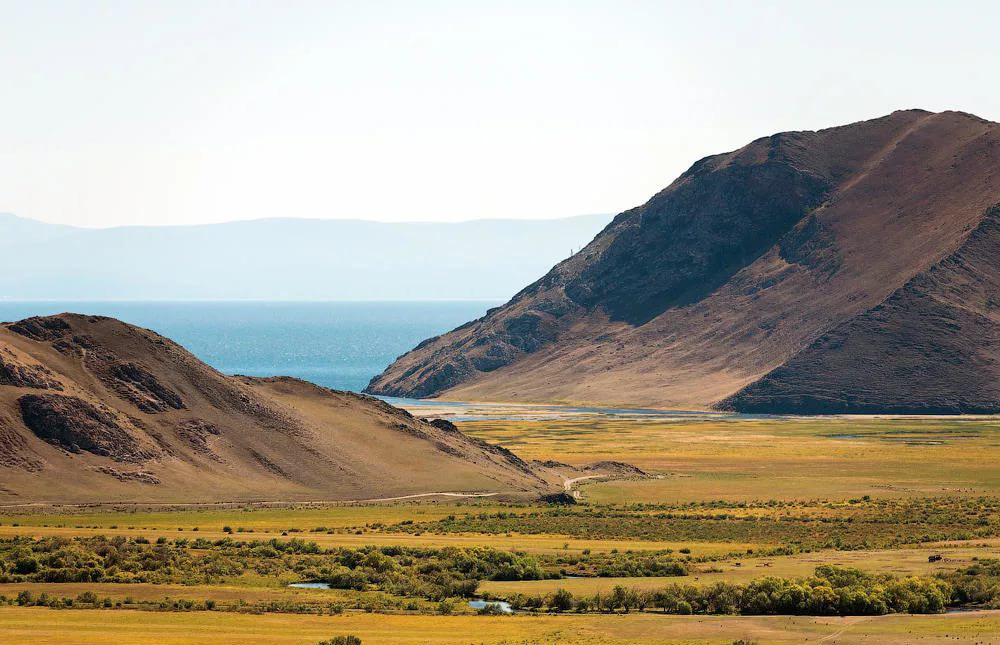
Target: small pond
480, 603
310, 585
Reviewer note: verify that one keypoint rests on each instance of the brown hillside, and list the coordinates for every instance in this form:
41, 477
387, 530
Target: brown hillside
92, 409
845, 265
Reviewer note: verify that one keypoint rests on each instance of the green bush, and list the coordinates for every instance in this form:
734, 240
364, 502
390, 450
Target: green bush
561, 600
349, 639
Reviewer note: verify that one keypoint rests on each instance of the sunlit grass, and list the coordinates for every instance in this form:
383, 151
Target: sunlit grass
85, 627
828, 458
248, 517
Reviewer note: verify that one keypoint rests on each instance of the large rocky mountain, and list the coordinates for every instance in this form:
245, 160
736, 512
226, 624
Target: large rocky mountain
852, 269
93, 409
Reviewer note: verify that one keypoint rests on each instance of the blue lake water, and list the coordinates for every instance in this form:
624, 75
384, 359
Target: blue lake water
310, 585
504, 606
335, 344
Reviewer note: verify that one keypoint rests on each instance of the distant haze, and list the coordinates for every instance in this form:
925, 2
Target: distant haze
285, 259
190, 112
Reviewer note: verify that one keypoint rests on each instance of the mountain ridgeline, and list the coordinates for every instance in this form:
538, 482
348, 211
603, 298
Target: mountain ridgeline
852, 269
285, 259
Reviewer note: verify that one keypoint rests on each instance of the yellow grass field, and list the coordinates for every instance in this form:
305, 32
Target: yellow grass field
161, 592
272, 519
90, 627
799, 458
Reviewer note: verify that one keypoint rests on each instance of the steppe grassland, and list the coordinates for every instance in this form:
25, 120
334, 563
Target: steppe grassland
259, 518
533, 543
32, 626
784, 459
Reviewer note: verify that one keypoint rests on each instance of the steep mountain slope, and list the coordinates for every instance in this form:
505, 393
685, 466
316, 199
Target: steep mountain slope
946, 319
92, 409
789, 260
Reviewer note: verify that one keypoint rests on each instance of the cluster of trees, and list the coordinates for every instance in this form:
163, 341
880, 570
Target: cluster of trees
60, 559
638, 565
25, 598
832, 591
434, 574
977, 584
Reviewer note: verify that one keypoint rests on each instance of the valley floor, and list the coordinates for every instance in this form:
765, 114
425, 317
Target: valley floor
726, 501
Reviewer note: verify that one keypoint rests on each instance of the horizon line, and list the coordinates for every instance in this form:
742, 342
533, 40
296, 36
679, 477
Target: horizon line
303, 219
243, 300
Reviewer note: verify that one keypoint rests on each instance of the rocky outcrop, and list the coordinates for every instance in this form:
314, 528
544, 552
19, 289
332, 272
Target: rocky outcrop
139, 476
134, 383
198, 434
41, 328
14, 449
18, 374
77, 426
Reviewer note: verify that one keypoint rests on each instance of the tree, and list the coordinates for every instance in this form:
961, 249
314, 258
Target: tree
618, 598
561, 600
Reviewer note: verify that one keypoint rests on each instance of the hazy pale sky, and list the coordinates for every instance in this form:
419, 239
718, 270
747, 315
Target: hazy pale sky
177, 112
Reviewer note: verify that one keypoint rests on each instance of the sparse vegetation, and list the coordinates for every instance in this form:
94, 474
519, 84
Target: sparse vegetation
857, 524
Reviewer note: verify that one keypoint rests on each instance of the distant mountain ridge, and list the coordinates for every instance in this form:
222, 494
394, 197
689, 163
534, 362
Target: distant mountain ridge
285, 259
850, 269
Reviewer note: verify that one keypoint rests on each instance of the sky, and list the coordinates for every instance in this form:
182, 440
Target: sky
178, 112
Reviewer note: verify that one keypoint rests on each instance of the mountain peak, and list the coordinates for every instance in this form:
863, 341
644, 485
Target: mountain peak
730, 276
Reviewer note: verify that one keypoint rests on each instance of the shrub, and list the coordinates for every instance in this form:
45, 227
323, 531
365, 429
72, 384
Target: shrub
349, 639
25, 566
88, 597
